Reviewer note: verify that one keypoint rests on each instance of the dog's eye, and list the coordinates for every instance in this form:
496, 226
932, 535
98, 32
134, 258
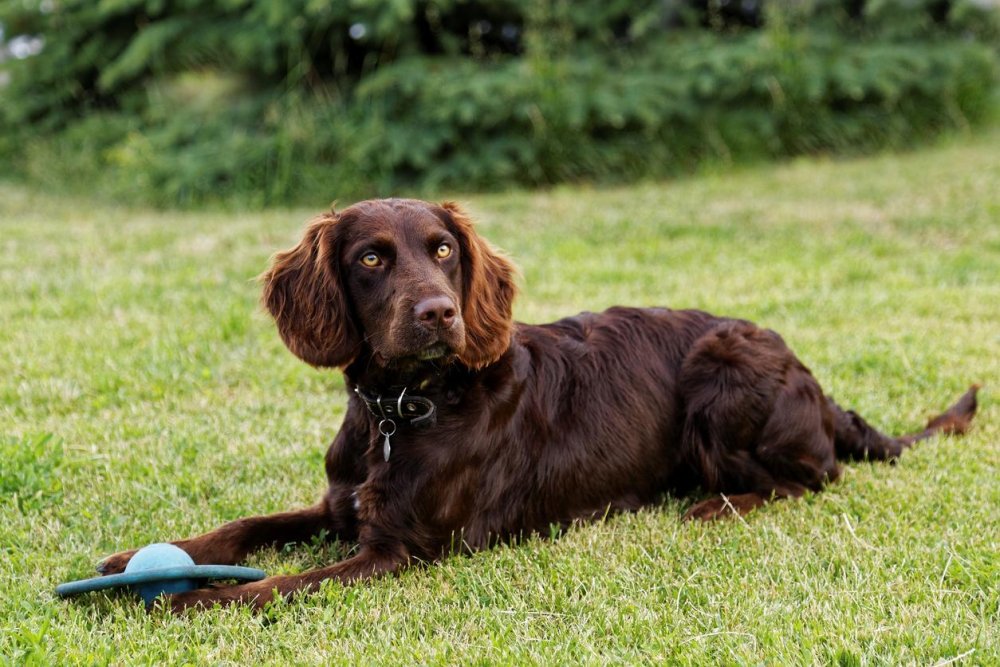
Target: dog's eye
443, 251
371, 260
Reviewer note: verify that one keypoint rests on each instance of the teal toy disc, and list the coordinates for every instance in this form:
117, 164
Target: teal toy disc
160, 568
197, 572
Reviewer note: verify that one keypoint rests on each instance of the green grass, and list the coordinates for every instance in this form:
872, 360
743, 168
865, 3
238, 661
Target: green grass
145, 396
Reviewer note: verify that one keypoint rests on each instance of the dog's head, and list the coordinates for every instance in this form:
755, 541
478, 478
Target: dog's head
407, 279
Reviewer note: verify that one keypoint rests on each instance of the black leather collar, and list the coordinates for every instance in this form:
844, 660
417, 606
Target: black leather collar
411, 410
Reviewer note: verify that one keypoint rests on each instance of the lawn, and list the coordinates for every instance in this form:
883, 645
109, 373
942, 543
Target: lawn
144, 396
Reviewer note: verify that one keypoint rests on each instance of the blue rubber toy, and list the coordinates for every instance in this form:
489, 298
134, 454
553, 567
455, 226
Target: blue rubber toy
158, 569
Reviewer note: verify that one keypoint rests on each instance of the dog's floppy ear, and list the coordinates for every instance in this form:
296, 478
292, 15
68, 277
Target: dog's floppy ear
488, 292
305, 295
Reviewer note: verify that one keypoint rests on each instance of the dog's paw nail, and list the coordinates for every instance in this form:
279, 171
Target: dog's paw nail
105, 567
114, 564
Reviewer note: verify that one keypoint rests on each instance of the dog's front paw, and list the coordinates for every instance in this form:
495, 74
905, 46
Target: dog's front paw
115, 564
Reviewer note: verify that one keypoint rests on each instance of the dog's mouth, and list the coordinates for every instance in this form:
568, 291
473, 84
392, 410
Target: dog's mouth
435, 351
429, 356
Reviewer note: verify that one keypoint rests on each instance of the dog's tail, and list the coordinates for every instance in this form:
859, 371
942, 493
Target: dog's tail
854, 438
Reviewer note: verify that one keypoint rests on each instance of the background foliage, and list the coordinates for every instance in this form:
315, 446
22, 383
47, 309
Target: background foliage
182, 101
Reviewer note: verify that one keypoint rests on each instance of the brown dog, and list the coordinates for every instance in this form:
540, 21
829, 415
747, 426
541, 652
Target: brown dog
465, 428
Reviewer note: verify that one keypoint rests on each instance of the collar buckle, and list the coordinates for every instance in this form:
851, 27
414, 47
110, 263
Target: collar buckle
411, 410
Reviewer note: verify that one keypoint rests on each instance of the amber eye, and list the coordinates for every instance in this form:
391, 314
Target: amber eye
443, 251
371, 260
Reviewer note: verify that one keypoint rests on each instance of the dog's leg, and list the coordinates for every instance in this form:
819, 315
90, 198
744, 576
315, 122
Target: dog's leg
782, 456
231, 542
367, 563
757, 425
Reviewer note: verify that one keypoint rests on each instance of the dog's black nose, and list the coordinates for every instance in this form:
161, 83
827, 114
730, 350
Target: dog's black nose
435, 313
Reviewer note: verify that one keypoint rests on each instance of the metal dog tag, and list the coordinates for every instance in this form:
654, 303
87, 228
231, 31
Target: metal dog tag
384, 427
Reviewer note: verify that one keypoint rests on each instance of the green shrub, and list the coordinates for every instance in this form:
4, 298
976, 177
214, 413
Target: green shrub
260, 102
665, 110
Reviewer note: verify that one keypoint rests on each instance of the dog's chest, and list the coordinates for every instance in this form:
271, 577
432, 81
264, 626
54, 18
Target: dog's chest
410, 492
